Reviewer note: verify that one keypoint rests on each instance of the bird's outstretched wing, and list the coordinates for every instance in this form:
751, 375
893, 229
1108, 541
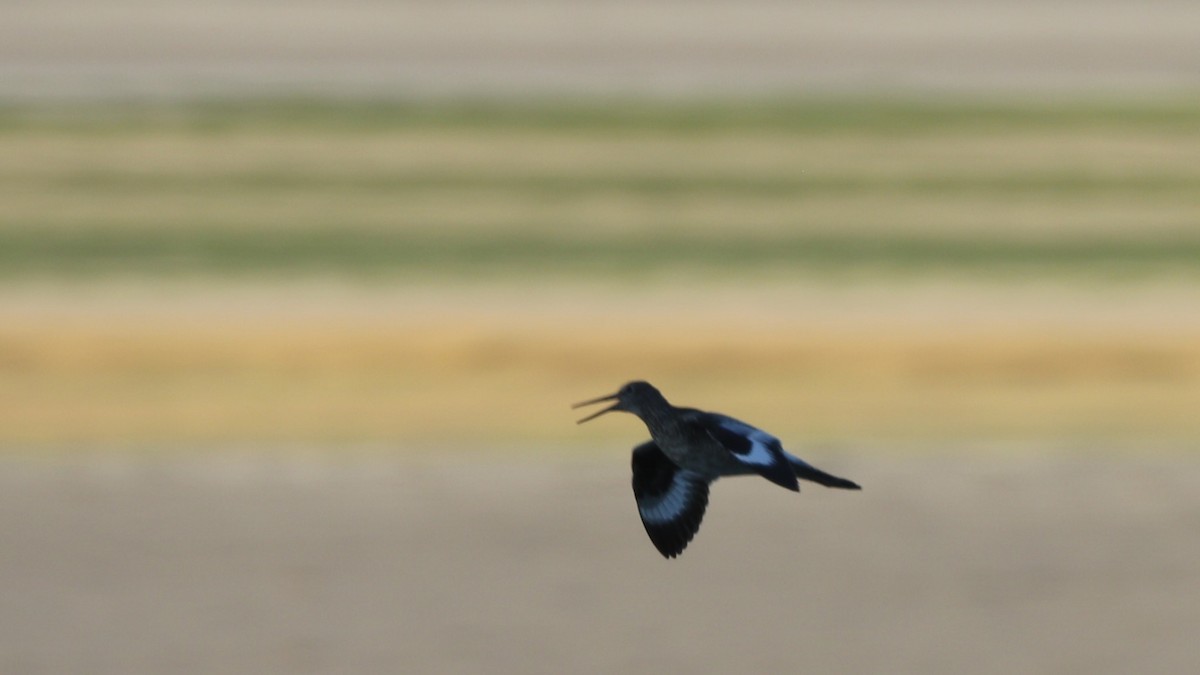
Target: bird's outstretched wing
670, 501
759, 451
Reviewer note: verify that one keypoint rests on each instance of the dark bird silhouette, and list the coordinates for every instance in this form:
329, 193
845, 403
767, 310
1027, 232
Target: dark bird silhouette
689, 450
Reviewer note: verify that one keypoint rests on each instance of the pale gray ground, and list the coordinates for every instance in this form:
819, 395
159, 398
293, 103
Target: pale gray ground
371, 564
135, 48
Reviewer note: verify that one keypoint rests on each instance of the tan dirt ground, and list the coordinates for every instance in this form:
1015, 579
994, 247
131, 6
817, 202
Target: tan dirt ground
365, 562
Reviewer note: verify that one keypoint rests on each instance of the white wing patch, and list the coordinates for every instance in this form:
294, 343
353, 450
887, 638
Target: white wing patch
764, 448
673, 503
760, 453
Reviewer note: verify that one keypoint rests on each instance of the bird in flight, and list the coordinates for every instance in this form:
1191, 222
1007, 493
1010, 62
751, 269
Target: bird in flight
688, 450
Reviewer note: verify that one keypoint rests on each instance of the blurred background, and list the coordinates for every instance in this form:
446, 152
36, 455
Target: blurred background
294, 298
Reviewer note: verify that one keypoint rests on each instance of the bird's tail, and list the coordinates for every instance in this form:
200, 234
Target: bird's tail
806, 471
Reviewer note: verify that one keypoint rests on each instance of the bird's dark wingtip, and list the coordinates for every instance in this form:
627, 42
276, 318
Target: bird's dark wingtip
670, 555
671, 540
811, 473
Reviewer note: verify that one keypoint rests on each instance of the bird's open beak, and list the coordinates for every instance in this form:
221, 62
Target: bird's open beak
610, 397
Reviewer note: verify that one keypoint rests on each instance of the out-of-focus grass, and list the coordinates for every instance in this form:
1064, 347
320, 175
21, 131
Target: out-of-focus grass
589, 114
361, 253
583, 216
501, 368
451, 190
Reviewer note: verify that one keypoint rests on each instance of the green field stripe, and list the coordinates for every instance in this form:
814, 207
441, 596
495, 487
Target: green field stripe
356, 252
860, 115
556, 185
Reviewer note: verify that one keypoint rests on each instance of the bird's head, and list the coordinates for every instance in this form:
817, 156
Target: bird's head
634, 397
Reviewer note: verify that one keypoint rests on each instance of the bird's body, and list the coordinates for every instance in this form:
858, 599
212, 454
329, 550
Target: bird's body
686, 440
689, 450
